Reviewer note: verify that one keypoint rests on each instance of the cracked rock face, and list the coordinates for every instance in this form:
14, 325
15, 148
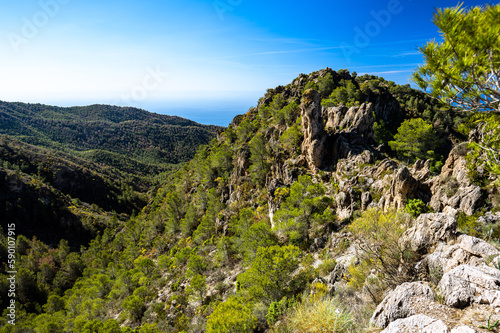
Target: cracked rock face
349, 135
314, 145
398, 303
429, 229
467, 284
403, 187
424, 324
452, 189
357, 119
467, 250
417, 323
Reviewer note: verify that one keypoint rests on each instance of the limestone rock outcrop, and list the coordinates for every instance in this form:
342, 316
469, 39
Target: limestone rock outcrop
345, 201
468, 284
348, 132
429, 229
421, 323
314, 146
421, 170
403, 186
357, 119
398, 303
466, 250
418, 323
452, 189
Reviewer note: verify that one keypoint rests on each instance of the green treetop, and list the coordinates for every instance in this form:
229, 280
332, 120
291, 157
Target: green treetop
464, 69
415, 138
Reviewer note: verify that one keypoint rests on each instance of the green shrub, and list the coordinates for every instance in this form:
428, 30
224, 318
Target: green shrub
54, 304
381, 133
196, 265
415, 207
346, 93
451, 186
135, 306
145, 265
324, 315
198, 286
469, 224
269, 277
291, 139
279, 309
326, 85
326, 267
311, 85
259, 158
305, 211
232, 316
378, 233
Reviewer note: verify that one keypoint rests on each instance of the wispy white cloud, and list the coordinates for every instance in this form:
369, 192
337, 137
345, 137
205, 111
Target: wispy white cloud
296, 41
244, 55
405, 54
386, 66
391, 72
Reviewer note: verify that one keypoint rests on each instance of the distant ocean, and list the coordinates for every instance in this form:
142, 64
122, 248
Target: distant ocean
213, 111
220, 115
208, 108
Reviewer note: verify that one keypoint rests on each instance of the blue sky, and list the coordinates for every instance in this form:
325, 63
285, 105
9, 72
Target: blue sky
158, 54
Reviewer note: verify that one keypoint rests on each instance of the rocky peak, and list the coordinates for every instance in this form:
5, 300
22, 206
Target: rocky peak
314, 145
452, 189
357, 119
348, 132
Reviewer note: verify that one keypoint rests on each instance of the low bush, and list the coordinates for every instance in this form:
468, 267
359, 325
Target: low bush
415, 207
324, 315
378, 235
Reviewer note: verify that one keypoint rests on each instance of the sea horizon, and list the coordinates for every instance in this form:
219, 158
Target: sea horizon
204, 107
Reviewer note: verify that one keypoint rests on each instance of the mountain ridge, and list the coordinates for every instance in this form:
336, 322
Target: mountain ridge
106, 112
89, 164
149, 138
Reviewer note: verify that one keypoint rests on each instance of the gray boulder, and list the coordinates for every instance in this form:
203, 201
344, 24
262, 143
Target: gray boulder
467, 284
419, 323
429, 229
467, 250
469, 199
489, 218
397, 304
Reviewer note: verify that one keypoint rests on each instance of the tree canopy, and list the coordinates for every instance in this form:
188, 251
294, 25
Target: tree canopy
464, 69
415, 138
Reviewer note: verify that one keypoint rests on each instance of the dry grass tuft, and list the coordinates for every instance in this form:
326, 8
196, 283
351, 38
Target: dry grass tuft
324, 315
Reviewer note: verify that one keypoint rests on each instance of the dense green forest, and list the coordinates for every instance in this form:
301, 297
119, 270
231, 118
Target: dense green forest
243, 237
130, 139
68, 173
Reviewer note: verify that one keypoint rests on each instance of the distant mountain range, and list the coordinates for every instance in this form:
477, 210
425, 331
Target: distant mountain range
69, 172
98, 133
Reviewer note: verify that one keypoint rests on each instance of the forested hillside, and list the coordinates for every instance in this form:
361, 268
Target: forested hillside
68, 173
133, 140
292, 219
